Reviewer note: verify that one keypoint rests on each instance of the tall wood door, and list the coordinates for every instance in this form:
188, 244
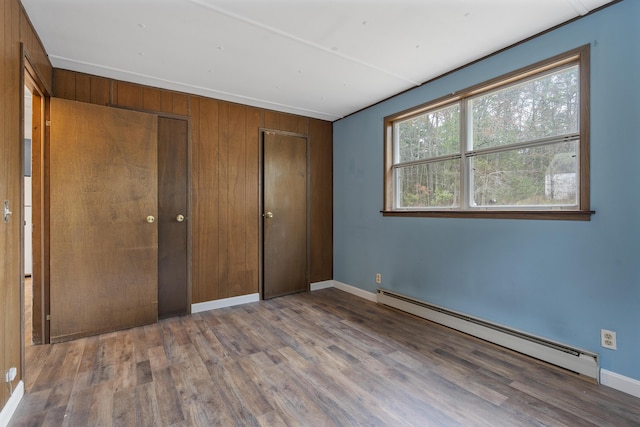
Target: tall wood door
103, 204
285, 215
173, 296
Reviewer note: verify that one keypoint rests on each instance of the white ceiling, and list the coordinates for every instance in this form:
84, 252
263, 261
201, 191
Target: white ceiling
318, 58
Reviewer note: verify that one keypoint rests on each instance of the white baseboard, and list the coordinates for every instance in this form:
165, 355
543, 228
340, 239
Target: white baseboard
321, 285
620, 382
344, 287
12, 404
371, 296
243, 299
222, 303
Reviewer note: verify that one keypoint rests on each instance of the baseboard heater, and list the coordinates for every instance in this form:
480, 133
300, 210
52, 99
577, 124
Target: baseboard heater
570, 358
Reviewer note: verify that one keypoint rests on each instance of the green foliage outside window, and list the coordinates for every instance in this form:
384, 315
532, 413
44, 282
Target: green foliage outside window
511, 147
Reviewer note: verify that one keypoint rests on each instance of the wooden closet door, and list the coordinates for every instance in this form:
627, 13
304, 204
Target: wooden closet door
173, 289
285, 215
103, 204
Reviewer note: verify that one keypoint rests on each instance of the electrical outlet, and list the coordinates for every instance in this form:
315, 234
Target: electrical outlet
10, 375
608, 339
378, 278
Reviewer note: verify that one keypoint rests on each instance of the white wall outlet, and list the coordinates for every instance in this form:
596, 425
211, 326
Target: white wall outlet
378, 278
608, 339
10, 375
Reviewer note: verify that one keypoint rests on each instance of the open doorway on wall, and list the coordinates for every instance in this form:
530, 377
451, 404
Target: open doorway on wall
35, 292
28, 224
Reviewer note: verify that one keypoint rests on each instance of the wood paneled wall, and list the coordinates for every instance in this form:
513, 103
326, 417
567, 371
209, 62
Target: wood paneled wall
15, 29
225, 143
35, 53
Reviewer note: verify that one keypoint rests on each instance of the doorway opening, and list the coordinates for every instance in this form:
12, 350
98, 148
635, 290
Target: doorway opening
28, 227
34, 291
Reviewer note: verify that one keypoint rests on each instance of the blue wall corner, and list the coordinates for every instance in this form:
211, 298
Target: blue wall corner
562, 280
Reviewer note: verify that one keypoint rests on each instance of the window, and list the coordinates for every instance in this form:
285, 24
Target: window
513, 147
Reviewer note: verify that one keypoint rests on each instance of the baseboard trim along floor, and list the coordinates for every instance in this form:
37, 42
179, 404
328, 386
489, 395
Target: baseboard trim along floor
12, 404
620, 382
222, 303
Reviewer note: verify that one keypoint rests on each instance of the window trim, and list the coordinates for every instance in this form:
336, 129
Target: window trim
581, 56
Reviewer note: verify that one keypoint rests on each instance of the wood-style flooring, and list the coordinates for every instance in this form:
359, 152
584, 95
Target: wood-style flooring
325, 358
28, 311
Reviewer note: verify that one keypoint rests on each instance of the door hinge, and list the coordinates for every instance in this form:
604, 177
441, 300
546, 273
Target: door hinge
7, 212
48, 317
47, 123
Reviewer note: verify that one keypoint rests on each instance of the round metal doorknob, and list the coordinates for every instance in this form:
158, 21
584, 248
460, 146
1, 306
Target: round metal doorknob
268, 215
180, 218
151, 219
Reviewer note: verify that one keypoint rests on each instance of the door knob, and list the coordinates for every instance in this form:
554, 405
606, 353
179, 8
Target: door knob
151, 219
180, 218
268, 215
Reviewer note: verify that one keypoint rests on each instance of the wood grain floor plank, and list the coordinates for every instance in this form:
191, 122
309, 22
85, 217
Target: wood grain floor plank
60, 393
152, 335
35, 402
394, 400
245, 389
352, 398
124, 414
145, 405
49, 372
106, 351
169, 404
578, 397
209, 343
538, 411
72, 359
125, 375
54, 417
479, 389
295, 405
336, 411
101, 407
77, 410
320, 359
271, 419
426, 393
170, 342
143, 373
157, 358
195, 415
212, 402
38, 355
186, 392
102, 374
234, 408
233, 338
89, 353
140, 345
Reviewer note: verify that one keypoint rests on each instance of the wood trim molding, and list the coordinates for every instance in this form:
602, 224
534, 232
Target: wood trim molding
543, 215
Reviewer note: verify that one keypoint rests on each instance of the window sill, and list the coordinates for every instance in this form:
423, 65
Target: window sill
541, 215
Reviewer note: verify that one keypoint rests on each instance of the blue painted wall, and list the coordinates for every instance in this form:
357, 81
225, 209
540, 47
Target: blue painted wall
563, 280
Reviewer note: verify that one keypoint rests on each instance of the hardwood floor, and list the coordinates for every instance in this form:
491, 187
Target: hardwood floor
314, 359
28, 311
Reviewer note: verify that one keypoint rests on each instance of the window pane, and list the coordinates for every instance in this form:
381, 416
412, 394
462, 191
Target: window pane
536, 176
429, 135
540, 108
434, 184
